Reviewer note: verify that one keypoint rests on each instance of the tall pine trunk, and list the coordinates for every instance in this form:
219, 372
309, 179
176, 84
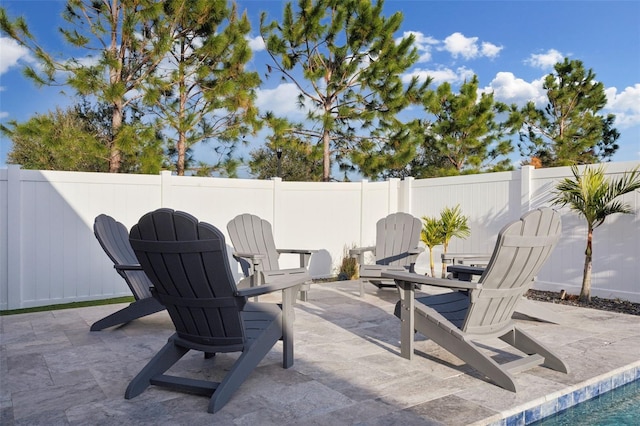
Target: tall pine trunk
115, 156
326, 155
115, 76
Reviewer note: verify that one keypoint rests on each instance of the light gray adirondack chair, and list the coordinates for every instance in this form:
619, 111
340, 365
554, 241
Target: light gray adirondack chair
469, 266
458, 319
255, 249
113, 237
187, 263
396, 249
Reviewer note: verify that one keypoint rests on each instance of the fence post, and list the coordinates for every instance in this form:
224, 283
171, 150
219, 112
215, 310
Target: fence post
277, 204
404, 195
165, 188
526, 175
393, 199
14, 242
363, 198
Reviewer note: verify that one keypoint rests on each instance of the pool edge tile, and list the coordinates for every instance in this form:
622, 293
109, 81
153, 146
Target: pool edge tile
567, 398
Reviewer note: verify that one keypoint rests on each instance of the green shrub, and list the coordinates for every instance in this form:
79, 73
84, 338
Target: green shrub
348, 267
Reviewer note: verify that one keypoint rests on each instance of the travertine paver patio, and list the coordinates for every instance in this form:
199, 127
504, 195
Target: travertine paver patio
347, 369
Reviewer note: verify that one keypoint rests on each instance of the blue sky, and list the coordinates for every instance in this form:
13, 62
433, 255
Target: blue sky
509, 45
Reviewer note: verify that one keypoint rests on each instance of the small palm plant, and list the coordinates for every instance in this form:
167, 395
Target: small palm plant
431, 235
594, 197
454, 224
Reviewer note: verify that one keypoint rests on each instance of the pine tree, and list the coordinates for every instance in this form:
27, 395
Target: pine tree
343, 57
203, 91
464, 129
121, 53
570, 129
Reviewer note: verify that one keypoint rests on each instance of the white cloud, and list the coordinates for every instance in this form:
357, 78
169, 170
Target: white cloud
283, 100
507, 88
469, 48
459, 45
3, 115
490, 50
545, 60
256, 44
625, 105
11, 53
440, 75
423, 43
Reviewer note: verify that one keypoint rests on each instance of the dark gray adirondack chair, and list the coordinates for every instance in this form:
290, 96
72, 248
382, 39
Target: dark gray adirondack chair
187, 263
255, 249
396, 249
113, 236
458, 319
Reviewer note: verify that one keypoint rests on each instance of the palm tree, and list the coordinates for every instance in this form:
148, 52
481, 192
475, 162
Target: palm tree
431, 235
593, 197
454, 224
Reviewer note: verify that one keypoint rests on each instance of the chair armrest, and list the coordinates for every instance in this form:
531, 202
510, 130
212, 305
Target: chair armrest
465, 270
255, 259
403, 279
358, 253
305, 255
125, 267
252, 256
296, 251
354, 252
416, 250
282, 284
465, 258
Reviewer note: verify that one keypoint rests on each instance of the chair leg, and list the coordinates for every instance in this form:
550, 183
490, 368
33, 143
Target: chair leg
161, 362
527, 344
244, 365
287, 318
304, 292
466, 351
135, 310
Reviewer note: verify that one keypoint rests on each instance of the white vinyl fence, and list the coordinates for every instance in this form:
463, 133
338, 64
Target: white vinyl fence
48, 253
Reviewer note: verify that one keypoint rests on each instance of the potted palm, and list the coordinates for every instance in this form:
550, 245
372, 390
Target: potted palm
454, 224
431, 235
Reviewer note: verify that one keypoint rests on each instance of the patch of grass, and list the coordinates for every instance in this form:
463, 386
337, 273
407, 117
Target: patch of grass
124, 299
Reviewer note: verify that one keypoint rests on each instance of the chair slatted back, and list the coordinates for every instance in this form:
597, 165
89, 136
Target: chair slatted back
187, 263
396, 234
521, 250
113, 236
251, 234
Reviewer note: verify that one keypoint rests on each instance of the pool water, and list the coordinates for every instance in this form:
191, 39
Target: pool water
620, 406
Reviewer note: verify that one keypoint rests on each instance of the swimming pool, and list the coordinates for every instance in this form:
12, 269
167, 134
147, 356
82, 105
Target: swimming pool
620, 406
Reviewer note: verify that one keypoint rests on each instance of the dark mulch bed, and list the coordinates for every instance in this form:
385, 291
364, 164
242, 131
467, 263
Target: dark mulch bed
611, 305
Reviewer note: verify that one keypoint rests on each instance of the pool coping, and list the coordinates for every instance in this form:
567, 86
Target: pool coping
555, 402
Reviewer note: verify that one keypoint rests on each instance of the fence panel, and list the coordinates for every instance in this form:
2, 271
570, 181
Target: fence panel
48, 253
4, 238
56, 258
